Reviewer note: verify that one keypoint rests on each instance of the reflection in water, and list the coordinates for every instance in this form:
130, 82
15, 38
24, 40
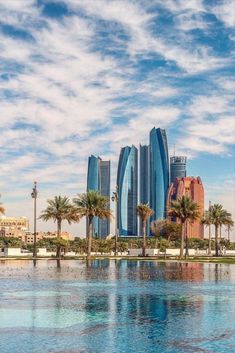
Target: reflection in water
116, 306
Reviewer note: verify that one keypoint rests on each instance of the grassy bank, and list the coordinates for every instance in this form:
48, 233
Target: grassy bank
225, 260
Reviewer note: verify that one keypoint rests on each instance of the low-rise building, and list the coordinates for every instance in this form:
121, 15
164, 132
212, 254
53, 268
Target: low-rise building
46, 235
18, 227
15, 227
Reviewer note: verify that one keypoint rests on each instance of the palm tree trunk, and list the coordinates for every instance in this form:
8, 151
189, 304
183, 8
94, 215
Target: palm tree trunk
90, 219
209, 245
58, 248
182, 240
144, 237
216, 241
228, 233
186, 240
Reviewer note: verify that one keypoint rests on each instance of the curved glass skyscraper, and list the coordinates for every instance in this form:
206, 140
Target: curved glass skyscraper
98, 179
144, 187
144, 174
159, 172
127, 182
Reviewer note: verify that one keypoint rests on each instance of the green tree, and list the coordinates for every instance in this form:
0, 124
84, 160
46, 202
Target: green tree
185, 210
144, 212
61, 243
164, 243
122, 246
59, 209
79, 245
171, 230
218, 217
90, 205
46, 243
156, 229
11, 242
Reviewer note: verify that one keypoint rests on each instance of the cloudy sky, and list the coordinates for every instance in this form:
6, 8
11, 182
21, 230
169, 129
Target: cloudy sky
90, 76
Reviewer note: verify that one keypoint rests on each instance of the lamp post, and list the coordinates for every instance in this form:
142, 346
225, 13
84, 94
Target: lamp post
34, 195
115, 198
209, 244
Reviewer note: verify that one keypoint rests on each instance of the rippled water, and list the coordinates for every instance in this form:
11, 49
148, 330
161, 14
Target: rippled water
116, 307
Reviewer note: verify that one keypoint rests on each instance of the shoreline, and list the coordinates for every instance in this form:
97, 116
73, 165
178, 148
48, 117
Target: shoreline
224, 259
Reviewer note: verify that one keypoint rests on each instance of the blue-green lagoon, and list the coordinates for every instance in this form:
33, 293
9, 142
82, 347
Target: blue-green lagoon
116, 307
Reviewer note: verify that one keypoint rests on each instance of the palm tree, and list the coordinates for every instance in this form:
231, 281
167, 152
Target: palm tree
225, 217
229, 224
185, 210
90, 205
218, 217
59, 209
207, 221
144, 212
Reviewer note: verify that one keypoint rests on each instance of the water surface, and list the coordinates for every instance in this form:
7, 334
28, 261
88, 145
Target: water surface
116, 307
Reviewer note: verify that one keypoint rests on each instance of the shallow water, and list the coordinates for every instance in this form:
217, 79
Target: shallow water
116, 307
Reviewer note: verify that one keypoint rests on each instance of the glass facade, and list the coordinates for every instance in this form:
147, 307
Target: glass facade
104, 224
98, 179
177, 168
159, 172
127, 182
144, 180
144, 174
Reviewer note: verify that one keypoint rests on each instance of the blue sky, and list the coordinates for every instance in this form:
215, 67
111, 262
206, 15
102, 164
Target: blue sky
80, 77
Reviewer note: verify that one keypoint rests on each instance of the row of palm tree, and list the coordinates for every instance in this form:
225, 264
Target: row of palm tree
89, 205
218, 217
92, 204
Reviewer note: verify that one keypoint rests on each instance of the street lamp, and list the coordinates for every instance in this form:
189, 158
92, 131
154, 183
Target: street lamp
34, 195
209, 245
115, 199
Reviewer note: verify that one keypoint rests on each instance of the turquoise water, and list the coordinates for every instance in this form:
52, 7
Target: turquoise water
116, 307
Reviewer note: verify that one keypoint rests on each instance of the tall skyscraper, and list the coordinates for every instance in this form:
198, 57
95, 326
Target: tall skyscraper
98, 179
144, 174
93, 184
144, 181
127, 182
193, 188
104, 224
177, 168
159, 172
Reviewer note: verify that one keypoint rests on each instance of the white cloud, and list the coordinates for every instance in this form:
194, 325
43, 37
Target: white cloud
182, 5
189, 21
136, 21
210, 126
203, 106
225, 12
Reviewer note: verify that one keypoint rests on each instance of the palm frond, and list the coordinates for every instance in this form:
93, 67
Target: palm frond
184, 209
144, 211
59, 208
92, 204
219, 216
